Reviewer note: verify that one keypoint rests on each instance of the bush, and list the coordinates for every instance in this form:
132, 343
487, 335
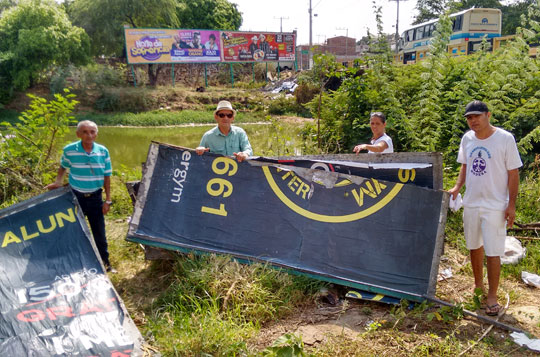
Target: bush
305, 92
283, 105
131, 100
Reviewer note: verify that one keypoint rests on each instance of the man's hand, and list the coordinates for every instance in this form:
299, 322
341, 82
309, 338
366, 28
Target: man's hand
105, 208
53, 185
454, 192
240, 156
359, 148
510, 215
201, 150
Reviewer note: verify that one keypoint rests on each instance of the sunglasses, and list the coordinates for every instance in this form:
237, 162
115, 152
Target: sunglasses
223, 115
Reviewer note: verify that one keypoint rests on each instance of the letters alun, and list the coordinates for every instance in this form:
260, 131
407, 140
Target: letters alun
24, 233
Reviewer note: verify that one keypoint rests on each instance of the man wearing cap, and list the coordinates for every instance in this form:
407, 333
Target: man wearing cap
225, 138
489, 169
90, 170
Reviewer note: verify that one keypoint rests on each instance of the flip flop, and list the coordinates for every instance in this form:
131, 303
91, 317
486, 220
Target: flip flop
493, 310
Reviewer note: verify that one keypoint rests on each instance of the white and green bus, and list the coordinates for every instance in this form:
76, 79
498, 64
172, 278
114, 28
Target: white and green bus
468, 30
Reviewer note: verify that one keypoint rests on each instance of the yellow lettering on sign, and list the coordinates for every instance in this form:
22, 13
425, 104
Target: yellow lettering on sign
25, 234
373, 190
10, 237
46, 230
70, 217
61, 217
303, 189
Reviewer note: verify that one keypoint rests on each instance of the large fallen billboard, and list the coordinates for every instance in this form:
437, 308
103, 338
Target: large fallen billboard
360, 232
55, 298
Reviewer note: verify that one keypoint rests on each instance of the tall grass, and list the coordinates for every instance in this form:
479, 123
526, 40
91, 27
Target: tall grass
163, 117
215, 304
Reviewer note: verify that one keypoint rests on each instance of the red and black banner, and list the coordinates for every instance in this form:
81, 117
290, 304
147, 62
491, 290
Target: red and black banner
55, 298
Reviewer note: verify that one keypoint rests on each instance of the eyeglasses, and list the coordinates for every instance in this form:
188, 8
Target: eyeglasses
222, 115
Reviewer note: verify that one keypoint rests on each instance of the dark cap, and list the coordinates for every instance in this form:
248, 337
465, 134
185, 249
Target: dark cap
476, 107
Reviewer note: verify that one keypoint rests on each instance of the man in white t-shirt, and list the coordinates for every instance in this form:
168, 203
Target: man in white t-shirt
489, 169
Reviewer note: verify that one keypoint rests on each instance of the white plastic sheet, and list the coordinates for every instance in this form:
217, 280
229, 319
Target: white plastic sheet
513, 251
530, 279
521, 339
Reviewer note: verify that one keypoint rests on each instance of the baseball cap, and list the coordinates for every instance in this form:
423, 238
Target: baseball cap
476, 107
224, 105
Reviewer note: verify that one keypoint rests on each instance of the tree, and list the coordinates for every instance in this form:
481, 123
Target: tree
104, 20
209, 14
429, 10
512, 15
35, 35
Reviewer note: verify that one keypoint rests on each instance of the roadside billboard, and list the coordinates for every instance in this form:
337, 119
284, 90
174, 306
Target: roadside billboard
172, 46
146, 46
258, 46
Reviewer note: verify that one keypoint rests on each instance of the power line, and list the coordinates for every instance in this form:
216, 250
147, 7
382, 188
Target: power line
281, 18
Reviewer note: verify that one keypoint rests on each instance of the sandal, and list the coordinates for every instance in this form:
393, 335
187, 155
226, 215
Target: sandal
493, 310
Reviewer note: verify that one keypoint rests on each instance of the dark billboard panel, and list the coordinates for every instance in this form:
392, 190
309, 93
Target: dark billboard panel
360, 232
55, 298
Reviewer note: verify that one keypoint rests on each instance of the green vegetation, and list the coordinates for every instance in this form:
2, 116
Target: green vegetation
27, 154
35, 35
424, 102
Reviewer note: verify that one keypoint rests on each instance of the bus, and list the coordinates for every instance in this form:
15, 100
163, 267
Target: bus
469, 27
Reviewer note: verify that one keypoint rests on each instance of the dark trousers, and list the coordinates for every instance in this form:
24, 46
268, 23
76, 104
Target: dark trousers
91, 204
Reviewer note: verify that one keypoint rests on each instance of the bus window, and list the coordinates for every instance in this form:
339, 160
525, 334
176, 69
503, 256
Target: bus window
427, 31
410, 35
457, 23
419, 33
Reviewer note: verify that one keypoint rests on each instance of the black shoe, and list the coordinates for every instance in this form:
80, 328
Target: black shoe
110, 269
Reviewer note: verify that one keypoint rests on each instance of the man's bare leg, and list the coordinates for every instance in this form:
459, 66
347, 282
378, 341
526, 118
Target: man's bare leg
494, 273
477, 263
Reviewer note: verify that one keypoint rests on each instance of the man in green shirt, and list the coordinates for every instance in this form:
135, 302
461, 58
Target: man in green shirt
225, 138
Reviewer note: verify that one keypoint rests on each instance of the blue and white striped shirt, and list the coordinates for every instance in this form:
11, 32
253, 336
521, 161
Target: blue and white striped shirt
86, 171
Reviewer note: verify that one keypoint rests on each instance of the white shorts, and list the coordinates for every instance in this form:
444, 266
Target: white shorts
484, 227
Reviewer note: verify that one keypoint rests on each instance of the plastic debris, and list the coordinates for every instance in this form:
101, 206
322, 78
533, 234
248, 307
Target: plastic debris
530, 279
513, 251
521, 339
456, 204
445, 274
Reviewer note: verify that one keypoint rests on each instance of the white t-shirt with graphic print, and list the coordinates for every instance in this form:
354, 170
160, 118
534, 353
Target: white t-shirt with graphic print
488, 162
387, 140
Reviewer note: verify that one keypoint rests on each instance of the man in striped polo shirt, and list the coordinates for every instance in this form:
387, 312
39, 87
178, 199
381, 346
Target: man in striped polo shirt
90, 169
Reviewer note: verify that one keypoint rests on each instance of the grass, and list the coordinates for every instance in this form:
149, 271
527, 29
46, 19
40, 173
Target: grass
163, 118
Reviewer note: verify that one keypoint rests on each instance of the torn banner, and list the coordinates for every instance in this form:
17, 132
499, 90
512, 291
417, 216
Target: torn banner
55, 299
370, 234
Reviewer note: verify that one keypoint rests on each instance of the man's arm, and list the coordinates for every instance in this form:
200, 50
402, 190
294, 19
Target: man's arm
107, 187
245, 147
59, 179
460, 181
513, 186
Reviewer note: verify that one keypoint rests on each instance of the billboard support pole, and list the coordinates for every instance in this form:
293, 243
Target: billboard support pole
266, 73
232, 75
205, 77
278, 72
253, 70
172, 74
134, 77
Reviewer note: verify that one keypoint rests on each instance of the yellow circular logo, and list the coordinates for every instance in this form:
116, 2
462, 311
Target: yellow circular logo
361, 199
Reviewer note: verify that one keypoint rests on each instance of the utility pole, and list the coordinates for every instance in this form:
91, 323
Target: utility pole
310, 55
346, 39
281, 18
397, 23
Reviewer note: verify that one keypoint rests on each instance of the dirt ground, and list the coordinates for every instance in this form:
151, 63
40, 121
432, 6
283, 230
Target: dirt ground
321, 322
